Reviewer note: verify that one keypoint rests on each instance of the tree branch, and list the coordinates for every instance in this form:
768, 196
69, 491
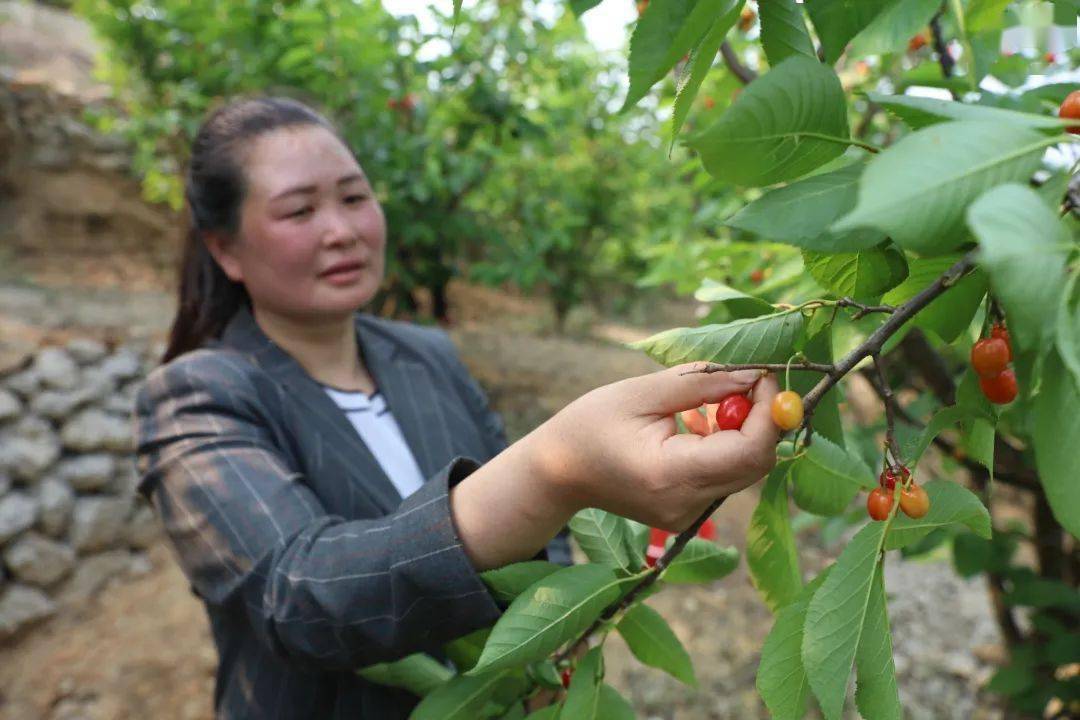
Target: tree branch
735, 65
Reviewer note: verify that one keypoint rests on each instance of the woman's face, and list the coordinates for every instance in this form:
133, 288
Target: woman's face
308, 207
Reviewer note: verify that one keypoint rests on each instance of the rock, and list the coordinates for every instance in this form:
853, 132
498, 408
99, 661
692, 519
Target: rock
59, 404
122, 365
56, 368
33, 427
10, 406
56, 501
87, 472
93, 429
37, 560
125, 481
143, 529
120, 404
5, 483
91, 574
18, 511
24, 383
86, 350
21, 606
97, 522
27, 459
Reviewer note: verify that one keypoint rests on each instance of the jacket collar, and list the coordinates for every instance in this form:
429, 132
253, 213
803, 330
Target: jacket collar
392, 377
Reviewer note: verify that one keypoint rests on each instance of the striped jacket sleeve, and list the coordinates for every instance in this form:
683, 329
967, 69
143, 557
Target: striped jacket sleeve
558, 548
319, 591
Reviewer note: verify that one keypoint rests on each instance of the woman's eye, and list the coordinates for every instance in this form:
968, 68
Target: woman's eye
298, 213
354, 198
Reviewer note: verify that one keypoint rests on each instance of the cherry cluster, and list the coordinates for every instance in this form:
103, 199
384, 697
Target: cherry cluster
914, 502
990, 359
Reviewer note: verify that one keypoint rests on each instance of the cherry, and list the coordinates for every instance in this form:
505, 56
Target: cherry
1002, 333
916, 43
914, 501
642, 6
709, 102
567, 673
1000, 389
1050, 58
757, 276
1070, 110
989, 356
787, 410
746, 19
889, 478
879, 503
732, 410
707, 531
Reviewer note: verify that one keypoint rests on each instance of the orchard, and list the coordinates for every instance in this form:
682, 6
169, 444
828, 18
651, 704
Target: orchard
870, 193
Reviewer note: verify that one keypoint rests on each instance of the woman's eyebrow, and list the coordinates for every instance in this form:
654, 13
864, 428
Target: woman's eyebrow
312, 188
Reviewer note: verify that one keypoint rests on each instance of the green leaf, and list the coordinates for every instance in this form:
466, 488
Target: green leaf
466, 650
663, 34
940, 170
862, 275
613, 706
550, 712
700, 561
768, 338
463, 697
739, 303
781, 677
603, 537
1023, 248
800, 213
770, 546
786, 123
1068, 327
580, 7
507, 582
545, 673
1031, 590
836, 617
1056, 436
919, 112
983, 15
653, 642
876, 694
950, 313
583, 695
418, 673
783, 31
949, 504
943, 419
826, 478
837, 21
891, 30
701, 61
637, 540
554, 610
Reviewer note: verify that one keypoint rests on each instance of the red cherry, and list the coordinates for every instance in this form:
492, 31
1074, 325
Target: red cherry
1001, 388
657, 541
1050, 57
914, 501
989, 356
731, 411
916, 42
1070, 110
707, 530
1002, 333
879, 503
566, 675
757, 276
709, 102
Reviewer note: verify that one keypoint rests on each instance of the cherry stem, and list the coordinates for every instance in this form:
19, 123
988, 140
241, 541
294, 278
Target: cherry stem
890, 420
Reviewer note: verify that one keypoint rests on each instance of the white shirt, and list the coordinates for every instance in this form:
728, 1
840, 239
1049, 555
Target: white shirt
379, 430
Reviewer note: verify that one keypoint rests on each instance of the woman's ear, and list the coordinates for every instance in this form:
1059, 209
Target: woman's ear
220, 247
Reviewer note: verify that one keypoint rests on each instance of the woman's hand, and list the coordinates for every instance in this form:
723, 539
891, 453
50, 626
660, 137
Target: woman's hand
618, 448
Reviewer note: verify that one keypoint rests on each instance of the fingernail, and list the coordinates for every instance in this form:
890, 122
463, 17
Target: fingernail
745, 377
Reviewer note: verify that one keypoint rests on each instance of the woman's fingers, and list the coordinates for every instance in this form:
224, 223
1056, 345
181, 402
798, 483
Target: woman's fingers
685, 386
695, 422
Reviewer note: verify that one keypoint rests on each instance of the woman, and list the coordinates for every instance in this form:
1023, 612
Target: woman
333, 482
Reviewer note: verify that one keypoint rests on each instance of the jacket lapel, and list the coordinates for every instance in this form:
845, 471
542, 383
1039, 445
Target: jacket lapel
244, 334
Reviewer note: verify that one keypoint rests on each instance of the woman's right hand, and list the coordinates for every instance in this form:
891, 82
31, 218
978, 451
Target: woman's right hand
618, 448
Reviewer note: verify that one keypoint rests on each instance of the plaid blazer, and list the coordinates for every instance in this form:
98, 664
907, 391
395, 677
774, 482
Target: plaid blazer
309, 563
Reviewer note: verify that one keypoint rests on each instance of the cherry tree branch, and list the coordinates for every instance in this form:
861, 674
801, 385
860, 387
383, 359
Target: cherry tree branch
735, 65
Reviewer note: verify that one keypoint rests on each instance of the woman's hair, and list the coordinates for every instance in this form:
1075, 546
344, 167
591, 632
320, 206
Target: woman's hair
214, 188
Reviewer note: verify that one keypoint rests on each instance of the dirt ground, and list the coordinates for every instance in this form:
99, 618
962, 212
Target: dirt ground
141, 649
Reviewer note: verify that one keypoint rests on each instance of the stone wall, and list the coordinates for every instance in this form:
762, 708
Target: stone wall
70, 517
66, 191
